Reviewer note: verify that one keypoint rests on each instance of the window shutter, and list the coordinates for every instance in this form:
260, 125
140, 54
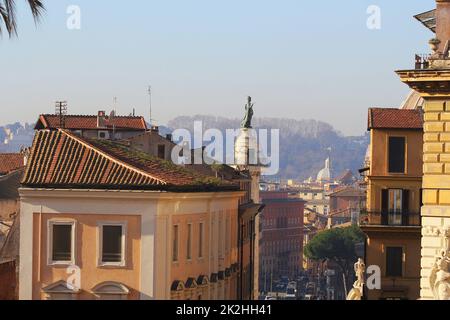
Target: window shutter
405, 207
384, 206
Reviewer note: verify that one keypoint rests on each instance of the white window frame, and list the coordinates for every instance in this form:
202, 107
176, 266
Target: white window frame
50, 224
100, 225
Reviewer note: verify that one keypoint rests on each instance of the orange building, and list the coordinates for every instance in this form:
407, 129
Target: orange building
394, 185
100, 220
281, 248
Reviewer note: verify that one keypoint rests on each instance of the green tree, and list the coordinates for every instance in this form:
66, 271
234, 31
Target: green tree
8, 14
337, 245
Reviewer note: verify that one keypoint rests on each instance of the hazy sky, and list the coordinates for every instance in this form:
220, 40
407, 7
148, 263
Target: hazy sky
298, 59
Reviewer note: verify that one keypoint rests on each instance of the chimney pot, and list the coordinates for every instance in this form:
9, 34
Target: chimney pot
101, 116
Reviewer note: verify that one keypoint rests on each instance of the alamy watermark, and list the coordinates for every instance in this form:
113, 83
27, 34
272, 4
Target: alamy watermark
374, 19
74, 17
234, 147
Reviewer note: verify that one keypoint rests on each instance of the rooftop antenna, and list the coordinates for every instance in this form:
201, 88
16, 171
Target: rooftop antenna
61, 111
112, 117
115, 105
150, 104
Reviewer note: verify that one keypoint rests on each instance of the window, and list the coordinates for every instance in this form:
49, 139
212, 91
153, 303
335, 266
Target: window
397, 148
189, 242
175, 244
61, 243
161, 151
395, 203
112, 244
200, 240
394, 261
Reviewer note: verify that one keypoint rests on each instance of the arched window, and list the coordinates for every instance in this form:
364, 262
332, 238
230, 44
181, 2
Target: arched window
111, 291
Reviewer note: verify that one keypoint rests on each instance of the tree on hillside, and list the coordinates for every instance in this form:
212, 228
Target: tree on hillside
337, 245
8, 14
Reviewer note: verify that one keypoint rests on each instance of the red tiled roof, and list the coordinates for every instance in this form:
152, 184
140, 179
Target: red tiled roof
61, 159
384, 118
80, 122
10, 162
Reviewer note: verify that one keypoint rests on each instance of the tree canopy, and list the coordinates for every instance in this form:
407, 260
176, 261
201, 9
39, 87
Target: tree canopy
336, 244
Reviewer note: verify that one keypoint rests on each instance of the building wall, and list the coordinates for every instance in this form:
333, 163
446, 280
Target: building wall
150, 217
409, 284
380, 237
436, 186
86, 253
280, 239
8, 281
149, 142
379, 151
110, 134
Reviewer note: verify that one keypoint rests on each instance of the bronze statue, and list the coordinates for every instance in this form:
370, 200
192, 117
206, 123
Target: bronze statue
247, 122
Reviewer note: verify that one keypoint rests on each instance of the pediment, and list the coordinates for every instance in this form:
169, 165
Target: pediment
61, 287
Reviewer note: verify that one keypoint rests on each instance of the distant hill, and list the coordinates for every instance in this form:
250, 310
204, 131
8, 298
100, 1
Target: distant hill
304, 144
15, 136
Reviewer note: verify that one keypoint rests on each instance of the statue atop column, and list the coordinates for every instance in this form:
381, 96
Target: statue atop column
247, 121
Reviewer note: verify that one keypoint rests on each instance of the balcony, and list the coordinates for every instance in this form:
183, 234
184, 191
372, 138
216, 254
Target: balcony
392, 219
422, 61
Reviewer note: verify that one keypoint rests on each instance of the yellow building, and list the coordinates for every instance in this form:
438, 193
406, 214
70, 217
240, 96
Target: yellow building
102, 221
394, 186
431, 78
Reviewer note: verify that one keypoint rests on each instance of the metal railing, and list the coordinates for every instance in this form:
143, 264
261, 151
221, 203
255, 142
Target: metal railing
422, 61
392, 218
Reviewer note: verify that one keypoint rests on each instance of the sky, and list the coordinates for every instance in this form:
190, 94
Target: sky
297, 59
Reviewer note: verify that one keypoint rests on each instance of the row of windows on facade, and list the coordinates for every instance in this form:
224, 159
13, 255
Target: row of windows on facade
281, 222
281, 211
200, 240
277, 262
273, 247
111, 243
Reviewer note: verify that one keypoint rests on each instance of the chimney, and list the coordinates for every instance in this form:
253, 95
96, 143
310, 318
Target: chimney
101, 117
443, 23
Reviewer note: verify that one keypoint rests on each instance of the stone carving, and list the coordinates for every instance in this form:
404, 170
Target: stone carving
440, 274
432, 231
358, 287
247, 121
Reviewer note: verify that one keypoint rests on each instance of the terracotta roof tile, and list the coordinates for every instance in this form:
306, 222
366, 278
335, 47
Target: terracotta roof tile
384, 118
10, 162
64, 160
82, 122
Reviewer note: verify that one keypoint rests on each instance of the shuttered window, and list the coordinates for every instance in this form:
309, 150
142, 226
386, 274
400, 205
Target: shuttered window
397, 157
394, 261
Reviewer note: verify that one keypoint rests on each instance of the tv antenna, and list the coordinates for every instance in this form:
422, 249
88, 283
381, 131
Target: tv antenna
61, 111
150, 104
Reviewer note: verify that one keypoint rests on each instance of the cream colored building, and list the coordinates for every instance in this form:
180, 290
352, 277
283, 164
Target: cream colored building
102, 221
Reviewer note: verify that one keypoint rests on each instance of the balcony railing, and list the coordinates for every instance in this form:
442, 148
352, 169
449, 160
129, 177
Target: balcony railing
392, 218
422, 61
